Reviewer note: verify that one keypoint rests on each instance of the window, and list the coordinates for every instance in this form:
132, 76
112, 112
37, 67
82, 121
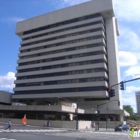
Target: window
64, 90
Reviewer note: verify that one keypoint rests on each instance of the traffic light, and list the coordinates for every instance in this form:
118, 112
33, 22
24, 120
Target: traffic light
112, 93
108, 90
122, 85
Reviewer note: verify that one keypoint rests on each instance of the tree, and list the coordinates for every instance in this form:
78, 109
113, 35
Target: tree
28, 102
130, 110
41, 102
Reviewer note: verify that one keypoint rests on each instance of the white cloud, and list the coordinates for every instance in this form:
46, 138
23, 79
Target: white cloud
131, 89
136, 76
7, 81
127, 59
133, 71
137, 54
130, 100
12, 19
127, 10
129, 96
73, 2
16, 19
128, 39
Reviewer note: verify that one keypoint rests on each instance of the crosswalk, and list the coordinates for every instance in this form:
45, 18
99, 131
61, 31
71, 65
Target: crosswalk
6, 139
107, 133
31, 130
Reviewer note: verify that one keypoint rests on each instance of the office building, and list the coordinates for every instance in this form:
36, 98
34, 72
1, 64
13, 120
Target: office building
70, 53
5, 97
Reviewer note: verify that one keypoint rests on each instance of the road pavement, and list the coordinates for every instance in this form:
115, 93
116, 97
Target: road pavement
20, 132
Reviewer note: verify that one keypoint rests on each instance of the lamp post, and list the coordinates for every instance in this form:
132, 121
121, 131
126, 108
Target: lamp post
98, 116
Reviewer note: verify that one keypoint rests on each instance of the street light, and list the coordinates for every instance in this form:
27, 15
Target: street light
97, 112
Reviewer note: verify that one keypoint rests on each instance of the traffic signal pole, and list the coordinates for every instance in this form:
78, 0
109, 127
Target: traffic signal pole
131, 80
125, 82
115, 85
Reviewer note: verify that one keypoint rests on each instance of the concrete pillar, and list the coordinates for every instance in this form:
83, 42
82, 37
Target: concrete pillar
121, 117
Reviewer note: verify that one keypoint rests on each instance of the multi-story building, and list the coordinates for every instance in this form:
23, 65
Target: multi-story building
138, 101
70, 53
5, 97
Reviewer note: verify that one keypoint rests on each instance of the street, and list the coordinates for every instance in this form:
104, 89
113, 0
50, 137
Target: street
19, 132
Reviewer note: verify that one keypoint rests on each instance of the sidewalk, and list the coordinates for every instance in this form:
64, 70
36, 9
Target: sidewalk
41, 127
68, 129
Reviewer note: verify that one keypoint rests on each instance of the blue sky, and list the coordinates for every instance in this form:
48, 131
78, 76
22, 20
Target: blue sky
127, 13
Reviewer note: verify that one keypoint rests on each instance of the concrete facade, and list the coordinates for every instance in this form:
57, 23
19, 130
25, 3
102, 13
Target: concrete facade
70, 53
58, 108
5, 97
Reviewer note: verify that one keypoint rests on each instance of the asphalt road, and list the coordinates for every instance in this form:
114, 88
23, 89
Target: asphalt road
19, 132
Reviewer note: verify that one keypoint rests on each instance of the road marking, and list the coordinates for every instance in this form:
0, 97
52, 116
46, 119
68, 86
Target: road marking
30, 130
6, 139
113, 133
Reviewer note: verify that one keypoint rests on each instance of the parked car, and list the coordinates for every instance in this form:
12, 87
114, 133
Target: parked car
122, 127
